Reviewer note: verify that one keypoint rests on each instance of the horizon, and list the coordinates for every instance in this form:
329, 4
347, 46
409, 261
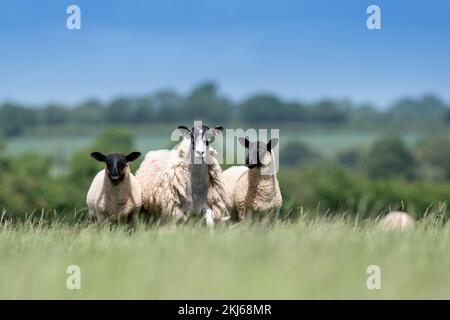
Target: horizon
305, 51
307, 103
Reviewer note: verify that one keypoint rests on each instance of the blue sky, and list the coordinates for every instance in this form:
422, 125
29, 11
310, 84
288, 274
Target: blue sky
304, 50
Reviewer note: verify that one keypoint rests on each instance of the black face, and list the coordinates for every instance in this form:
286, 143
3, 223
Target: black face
256, 151
116, 164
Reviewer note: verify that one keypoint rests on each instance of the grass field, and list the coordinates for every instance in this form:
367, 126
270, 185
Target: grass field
310, 258
326, 142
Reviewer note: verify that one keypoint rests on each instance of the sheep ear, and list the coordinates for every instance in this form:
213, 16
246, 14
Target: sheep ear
218, 130
98, 156
133, 156
272, 144
244, 142
184, 131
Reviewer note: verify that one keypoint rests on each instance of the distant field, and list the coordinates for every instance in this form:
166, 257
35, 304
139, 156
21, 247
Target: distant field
326, 141
307, 259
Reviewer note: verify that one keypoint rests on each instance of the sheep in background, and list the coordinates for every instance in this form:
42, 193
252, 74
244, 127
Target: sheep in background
185, 180
114, 192
253, 189
397, 220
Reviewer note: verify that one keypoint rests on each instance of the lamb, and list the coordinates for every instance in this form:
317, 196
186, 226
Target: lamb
184, 181
397, 220
253, 190
115, 191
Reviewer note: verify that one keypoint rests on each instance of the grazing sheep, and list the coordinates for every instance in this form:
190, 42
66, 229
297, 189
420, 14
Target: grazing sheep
185, 180
253, 189
397, 220
114, 192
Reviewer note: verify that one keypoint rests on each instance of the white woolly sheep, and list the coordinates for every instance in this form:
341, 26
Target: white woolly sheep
397, 220
115, 191
185, 180
253, 190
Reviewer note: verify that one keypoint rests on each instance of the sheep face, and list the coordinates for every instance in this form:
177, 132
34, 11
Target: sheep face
201, 138
258, 153
116, 164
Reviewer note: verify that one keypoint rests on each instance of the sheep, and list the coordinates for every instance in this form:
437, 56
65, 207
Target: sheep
115, 191
184, 181
253, 189
397, 220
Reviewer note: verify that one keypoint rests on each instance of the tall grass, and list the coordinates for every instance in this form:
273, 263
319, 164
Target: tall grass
313, 256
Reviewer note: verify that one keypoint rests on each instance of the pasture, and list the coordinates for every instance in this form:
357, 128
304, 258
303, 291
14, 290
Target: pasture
309, 258
326, 141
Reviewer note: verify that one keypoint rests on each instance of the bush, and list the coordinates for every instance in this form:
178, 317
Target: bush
389, 157
335, 189
296, 152
2, 143
350, 158
30, 186
434, 154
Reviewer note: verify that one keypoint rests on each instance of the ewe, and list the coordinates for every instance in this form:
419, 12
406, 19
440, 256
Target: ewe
253, 189
114, 192
183, 181
397, 220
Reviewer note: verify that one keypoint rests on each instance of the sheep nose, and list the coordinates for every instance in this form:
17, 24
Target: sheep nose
200, 153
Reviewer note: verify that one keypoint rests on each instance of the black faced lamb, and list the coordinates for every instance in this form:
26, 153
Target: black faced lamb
115, 191
253, 190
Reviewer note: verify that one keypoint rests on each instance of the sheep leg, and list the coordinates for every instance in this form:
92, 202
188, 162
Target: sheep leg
92, 215
272, 216
209, 217
240, 214
93, 219
103, 220
132, 220
176, 216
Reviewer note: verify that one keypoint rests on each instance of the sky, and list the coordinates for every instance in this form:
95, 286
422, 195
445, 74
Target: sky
303, 50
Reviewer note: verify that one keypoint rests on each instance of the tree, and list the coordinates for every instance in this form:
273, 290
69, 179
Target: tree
114, 140
143, 111
428, 106
297, 152
205, 103
389, 157
328, 111
89, 112
167, 105
262, 108
119, 111
349, 158
434, 153
15, 119
54, 114
2, 143
365, 112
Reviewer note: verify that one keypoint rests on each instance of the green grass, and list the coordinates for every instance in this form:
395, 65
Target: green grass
310, 258
325, 141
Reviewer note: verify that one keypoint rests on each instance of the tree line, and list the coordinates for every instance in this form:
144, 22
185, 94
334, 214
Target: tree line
207, 103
